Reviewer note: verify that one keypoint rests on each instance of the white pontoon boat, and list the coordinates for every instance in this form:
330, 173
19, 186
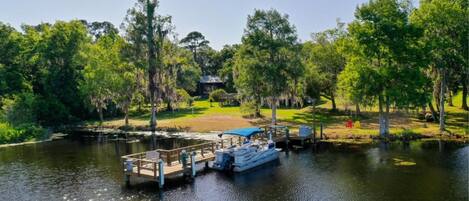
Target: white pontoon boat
248, 155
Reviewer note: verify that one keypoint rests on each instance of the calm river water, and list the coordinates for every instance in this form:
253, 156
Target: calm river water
87, 170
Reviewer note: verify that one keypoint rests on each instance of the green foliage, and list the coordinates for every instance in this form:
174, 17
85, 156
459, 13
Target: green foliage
226, 60
324, 62
25, 132
183, 97
21, 109
267, 60
248, 108
12, 79
217, 95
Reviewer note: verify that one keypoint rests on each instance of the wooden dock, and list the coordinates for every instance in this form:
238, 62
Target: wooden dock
158, 164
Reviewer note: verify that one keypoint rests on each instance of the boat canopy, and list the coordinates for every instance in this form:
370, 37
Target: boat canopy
244, 132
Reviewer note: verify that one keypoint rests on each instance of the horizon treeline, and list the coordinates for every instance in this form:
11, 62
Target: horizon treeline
391, 56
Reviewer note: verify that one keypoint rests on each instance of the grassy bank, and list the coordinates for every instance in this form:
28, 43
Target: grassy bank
23, 133
204, 117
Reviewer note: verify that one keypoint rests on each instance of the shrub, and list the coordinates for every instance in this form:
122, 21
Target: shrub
217, 95
8, 134
25, 132
50, 111
183, 97
248, 108
20, 109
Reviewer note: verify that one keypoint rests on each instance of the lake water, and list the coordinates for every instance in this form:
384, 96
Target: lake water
83, 169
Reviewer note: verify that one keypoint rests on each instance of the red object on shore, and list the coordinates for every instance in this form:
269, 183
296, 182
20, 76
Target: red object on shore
349, 124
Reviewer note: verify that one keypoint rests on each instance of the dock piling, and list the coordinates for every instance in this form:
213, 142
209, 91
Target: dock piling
193, 163
161, 173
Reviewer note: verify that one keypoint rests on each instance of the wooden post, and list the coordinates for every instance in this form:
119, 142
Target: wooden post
168, 158
193, 163
213, 147
161, 173
128, 170
154, 169
139, 164
321, 130
231, 141
287, 136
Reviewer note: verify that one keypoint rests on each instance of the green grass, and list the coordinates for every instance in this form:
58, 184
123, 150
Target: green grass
204, 117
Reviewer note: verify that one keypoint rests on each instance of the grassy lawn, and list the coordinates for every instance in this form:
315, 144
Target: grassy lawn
205, 118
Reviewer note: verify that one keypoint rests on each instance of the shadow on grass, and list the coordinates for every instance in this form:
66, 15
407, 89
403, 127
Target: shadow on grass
171, 114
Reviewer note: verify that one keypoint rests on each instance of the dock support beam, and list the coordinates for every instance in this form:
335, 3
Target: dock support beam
193, 163
161, 173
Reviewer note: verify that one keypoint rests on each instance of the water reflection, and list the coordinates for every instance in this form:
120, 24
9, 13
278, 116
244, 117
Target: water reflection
84, 169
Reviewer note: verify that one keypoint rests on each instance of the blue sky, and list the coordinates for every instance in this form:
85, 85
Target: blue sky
221, 21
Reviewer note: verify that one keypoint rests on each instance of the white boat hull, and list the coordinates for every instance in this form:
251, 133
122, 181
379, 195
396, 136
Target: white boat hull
262, 158
245, 157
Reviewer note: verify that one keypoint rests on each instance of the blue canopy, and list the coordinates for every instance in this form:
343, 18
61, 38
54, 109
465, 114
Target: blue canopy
244, 132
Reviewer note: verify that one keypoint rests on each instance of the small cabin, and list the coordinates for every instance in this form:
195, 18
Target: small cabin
208, 83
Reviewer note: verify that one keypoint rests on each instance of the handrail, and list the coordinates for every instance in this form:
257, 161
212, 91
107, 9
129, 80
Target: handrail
172, 155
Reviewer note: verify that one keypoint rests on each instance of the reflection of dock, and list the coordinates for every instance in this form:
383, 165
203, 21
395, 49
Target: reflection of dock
156, 165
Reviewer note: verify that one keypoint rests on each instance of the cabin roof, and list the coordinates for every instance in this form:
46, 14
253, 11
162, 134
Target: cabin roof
210, 79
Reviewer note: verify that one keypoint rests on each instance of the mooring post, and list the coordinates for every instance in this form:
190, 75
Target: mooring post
128, 170
193, 163
161, 173
287, 136
321, 130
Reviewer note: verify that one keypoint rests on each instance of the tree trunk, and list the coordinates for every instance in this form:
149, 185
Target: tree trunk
386, 127
442, 100
274, 111
450, 98
151, 62
464, 93
382, 123
432, 110
169, 106
101, 118
258, 109
436, 92
126, 117
357, 109
334, 106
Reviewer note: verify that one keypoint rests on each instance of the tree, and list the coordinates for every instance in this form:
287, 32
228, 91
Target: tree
100, 77
384, 63
147, 31
267, 58
53, 60
195, 41
12, 74
226, 57
445, 37
324, 58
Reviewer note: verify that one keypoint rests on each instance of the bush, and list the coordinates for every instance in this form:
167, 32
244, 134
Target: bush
25, 132
20, 109
8, 134
217, 95
51, 112
248, 108
183, 97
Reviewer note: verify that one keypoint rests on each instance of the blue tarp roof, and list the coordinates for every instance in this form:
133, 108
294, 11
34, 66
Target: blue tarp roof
244, 132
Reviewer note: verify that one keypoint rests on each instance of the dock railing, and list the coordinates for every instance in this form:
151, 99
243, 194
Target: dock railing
140, 163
